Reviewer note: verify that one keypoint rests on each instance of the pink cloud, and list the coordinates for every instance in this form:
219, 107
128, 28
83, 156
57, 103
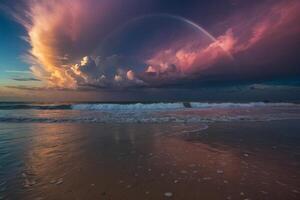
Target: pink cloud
61, 33
278, 22
273, 23
192, 57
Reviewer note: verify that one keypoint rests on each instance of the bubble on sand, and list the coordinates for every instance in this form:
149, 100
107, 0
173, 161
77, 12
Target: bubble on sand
168, 194
59, 181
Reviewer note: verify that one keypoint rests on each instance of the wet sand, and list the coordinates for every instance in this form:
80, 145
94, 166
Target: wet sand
228, 160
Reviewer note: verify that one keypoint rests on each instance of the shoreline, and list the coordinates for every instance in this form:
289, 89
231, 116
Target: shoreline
255, 160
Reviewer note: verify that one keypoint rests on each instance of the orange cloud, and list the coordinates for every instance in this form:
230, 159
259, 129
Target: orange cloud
61, 33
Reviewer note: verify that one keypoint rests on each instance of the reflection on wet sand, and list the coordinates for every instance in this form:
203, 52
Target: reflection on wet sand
155, 161
217, 170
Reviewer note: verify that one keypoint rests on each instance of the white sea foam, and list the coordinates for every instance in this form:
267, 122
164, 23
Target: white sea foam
137, 106
238, 105
170, 106
194, 112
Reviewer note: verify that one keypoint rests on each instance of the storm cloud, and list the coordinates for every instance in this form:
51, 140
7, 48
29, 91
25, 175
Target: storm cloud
64, 36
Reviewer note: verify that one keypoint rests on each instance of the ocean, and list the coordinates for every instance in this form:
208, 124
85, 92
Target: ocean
158, 150
180, 112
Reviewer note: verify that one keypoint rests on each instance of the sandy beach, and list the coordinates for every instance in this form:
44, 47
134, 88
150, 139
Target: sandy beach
245, 160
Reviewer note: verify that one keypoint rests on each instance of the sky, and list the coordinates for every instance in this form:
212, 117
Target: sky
151, 50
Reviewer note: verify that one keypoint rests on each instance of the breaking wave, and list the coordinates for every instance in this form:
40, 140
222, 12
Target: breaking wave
138, 106
168, 106
191, 112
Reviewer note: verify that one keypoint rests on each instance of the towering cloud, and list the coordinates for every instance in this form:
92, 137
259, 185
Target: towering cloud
62, 32
63, 35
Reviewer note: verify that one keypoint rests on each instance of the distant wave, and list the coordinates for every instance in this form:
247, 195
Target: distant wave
238, 105
137, 106
193, 112
37, 107
168, 106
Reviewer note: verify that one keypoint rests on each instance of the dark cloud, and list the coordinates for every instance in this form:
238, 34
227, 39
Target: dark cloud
248, 40
25, 79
